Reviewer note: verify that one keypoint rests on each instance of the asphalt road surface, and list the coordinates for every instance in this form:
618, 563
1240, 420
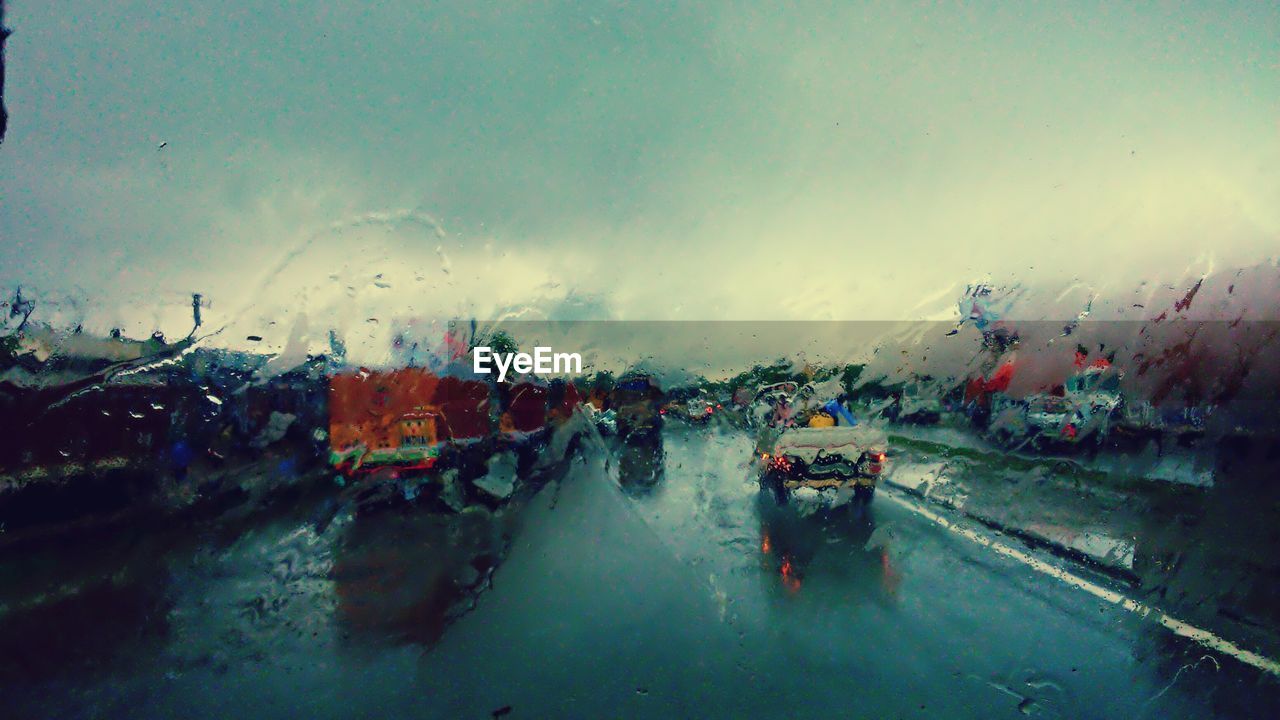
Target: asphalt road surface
699, 598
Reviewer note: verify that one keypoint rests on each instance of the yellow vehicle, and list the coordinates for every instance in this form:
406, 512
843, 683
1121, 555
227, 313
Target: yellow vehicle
821, 420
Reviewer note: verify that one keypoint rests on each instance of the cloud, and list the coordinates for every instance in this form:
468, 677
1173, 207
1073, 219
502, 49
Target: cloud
704, 161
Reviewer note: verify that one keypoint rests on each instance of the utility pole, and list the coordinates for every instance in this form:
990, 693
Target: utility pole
195, 310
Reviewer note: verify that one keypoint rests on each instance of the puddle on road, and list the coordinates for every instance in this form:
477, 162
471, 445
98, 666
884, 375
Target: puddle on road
187, 603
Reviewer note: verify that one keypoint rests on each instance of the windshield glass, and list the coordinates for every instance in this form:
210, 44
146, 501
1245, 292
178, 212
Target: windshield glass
618, 359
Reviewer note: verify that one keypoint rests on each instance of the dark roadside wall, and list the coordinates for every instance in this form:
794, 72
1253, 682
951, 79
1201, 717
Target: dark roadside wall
153, 446
94, 454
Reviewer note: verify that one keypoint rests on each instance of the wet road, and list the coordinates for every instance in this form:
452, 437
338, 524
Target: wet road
700, 598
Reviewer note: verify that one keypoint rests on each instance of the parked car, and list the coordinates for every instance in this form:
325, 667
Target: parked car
916, 404
1083, 411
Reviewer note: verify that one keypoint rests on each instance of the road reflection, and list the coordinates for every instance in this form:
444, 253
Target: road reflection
702, 563
89, 631
828, 546
402, 577
641, 461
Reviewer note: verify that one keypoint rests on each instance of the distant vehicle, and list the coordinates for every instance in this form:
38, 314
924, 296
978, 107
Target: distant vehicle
1048, 414
1143, 416
1142, 421
605, 421
766, 400
697, 409
1139, 417
636, 399
917, 405
412, 419
778, 404
1085, 409
825, 458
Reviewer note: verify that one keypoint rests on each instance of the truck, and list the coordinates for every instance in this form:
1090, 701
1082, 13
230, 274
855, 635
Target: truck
821, 458
411, 421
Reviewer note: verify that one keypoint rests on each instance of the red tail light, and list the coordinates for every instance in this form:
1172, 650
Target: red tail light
875, 463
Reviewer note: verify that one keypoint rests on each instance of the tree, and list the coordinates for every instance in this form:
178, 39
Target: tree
498, 341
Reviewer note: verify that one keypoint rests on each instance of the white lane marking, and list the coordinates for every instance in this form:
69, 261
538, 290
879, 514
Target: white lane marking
1178, 627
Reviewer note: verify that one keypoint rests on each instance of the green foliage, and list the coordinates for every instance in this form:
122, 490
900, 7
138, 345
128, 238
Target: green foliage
758, 376
498, 340
849, 376
601, 380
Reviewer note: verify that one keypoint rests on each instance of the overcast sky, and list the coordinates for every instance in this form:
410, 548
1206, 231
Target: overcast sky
636, 160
